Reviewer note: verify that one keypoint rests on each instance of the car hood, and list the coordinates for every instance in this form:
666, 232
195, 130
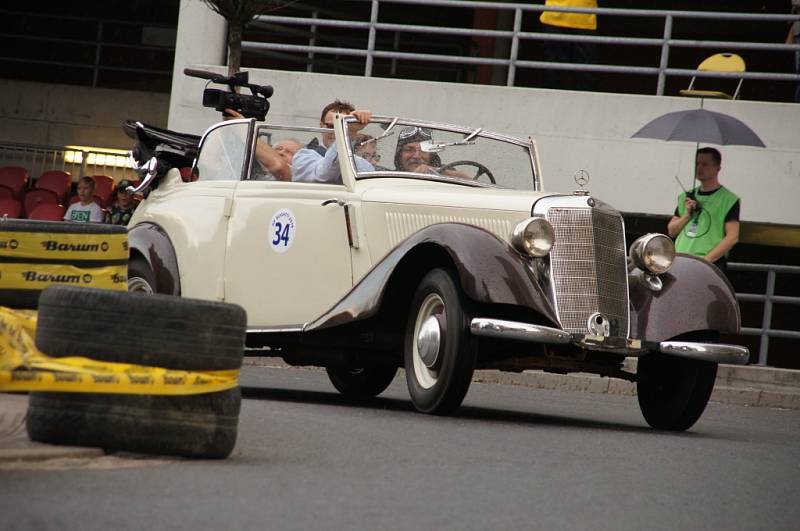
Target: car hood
449, 195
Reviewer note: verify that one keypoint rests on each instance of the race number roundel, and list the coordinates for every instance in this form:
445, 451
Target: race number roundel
282, 230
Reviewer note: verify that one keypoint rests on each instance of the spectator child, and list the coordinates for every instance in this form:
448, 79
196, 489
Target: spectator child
123, 206
85, 210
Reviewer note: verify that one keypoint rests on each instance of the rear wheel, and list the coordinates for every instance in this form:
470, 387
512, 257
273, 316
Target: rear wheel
673, 392
140, 277
361, 382
439, 350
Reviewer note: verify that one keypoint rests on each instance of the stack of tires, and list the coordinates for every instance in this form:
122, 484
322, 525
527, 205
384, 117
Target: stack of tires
38, 254
152, 330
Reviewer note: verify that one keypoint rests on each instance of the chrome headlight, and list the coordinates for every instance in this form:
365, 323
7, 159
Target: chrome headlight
534, 237
653, 253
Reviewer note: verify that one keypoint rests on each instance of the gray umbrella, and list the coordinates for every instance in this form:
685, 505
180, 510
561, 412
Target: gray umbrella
700, 125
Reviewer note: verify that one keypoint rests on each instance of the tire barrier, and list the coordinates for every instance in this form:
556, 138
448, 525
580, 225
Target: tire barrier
37, 254
162, 379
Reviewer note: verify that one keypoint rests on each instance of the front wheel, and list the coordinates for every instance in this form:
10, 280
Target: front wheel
361, 382
439, 350
673, 392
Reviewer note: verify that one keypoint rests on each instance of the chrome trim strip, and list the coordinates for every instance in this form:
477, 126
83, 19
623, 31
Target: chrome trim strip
277, 329
717, 352
426, 177
301, 128
482, 326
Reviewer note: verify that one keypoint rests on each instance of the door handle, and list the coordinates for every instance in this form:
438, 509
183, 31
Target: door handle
352, 231
333, 200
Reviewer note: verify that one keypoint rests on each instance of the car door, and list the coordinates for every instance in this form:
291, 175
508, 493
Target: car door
194, 213
288, 256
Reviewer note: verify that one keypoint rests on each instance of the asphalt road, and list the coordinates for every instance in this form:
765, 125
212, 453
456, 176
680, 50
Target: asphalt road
511, 458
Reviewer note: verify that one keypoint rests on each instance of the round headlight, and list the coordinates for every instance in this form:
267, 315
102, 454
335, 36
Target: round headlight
653, 253
534, 237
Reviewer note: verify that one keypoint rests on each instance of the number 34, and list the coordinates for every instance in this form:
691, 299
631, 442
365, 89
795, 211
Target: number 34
281, 234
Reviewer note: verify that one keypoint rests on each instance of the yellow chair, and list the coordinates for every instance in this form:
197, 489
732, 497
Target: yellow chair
721, 62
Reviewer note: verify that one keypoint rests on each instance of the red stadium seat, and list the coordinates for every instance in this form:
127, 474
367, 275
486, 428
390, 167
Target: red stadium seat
6, 192
104, 187
36, 197
11, 208
73, 199
48, 212
16, 178
57, 181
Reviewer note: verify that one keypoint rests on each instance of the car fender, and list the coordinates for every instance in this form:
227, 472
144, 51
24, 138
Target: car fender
489, 270
695, 295
152, 243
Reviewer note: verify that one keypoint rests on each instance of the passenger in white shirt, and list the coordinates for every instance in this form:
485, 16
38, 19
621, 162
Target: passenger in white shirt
85, 209
317, 163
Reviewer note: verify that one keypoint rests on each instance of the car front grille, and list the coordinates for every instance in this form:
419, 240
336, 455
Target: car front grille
588, 268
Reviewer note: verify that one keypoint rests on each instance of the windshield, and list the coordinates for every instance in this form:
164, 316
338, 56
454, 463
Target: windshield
421, 150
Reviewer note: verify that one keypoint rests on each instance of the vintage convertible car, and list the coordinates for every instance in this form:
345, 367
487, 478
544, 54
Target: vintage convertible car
431, 247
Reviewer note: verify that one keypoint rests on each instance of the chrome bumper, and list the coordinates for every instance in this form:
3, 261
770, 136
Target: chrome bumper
719, 353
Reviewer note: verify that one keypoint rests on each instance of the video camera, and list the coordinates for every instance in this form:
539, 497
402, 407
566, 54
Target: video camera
253, 105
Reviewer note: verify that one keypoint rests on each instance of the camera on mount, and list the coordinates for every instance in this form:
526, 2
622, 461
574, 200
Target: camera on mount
253, 105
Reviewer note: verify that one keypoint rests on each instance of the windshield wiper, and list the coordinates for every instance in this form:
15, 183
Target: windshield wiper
435, 147
387, 132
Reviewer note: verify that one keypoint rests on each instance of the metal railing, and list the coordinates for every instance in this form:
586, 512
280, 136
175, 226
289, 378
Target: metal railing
99, 41
515, 35
768, 298
79, 162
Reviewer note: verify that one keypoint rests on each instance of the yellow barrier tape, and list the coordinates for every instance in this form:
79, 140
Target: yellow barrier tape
56, 245
39, 276
24, 368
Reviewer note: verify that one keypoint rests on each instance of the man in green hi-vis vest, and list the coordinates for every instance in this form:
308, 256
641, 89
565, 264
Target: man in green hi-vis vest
706, 221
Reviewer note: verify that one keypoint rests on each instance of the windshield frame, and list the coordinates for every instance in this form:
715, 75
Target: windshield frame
529, 144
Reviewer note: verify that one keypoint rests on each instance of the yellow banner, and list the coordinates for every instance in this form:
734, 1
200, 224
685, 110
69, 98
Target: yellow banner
64, 246
39, 276
24, 368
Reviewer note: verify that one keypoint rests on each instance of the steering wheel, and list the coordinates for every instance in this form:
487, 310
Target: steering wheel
481, 169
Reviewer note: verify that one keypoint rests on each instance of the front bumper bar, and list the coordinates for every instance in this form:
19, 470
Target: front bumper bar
716, 352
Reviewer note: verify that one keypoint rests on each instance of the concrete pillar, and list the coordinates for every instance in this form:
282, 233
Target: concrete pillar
201, 40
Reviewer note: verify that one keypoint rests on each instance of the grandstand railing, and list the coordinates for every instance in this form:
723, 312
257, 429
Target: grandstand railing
79, 162
769, 299
101, 42
515, 35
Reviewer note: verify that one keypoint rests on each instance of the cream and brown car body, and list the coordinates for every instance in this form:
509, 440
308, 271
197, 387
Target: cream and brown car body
350, 285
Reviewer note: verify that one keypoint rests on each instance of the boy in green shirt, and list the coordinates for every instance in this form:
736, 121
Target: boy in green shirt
706, 221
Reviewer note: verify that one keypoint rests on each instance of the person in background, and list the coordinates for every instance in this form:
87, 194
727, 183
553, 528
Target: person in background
317, 163
287, 148
121, 209
706, 221
267, 156
365, 147
85, 209
560, 23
